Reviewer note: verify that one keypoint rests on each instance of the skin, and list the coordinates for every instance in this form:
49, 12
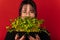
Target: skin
27, 11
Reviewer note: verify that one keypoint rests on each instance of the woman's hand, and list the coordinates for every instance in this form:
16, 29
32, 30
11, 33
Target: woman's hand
32, 38
37, 37
17, 37
22, 38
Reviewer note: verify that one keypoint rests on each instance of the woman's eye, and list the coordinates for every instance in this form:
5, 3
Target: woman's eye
24, 12
32, 12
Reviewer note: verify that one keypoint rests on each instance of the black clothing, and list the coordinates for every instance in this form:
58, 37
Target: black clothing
43, 35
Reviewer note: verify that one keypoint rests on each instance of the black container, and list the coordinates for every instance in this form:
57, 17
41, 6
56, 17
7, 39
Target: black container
27, 34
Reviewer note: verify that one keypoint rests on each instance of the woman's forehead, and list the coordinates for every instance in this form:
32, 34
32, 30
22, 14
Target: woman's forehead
27, 6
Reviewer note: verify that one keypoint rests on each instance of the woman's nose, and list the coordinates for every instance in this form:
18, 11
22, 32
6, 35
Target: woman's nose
28, 14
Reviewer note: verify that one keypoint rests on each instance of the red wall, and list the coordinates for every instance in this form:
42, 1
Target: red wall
49, 10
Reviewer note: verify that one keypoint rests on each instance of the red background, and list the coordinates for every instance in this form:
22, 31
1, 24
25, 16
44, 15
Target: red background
49, 10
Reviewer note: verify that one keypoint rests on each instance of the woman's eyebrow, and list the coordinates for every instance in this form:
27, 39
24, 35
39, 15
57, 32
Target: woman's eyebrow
24, 9
31, 9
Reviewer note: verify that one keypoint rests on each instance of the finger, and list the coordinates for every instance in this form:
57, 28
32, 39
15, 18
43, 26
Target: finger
31, 38
16, 37
37, 37
22, 38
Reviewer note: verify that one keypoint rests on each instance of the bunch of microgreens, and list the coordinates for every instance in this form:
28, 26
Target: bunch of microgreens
25, 25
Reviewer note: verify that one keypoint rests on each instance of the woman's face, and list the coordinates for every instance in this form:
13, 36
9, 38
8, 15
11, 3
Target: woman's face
27, 11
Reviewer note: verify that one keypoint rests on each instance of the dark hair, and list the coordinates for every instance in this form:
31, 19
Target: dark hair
32, 3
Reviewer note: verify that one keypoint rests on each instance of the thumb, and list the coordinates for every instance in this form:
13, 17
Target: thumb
37, 37
22, 38
16, 37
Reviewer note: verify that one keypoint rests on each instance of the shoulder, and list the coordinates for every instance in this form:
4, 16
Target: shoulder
44, 31
44, 34
10, 35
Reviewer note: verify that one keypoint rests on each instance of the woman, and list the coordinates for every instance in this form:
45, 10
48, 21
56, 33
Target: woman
27, 9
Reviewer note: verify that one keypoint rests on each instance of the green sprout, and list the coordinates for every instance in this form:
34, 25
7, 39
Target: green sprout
25, 25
